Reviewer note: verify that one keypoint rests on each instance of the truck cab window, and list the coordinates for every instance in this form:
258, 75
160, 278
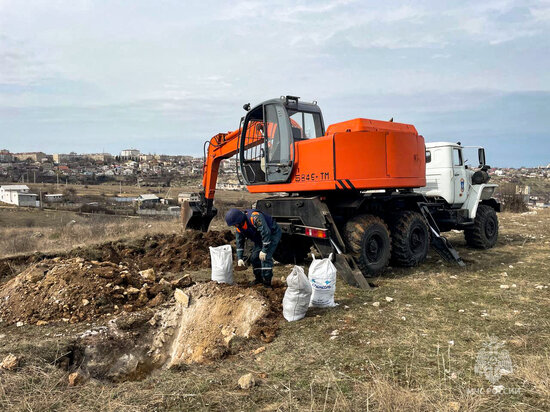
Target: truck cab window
457, 157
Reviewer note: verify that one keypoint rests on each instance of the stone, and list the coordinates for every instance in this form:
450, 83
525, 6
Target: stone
157, 300
10, 362
161, 287
183, 282
19, 324
454, 406
388, 299
132, 290
259, 350
182, 298
41, 323
247, 381
85, 302
148, 274
77, 378
375, 304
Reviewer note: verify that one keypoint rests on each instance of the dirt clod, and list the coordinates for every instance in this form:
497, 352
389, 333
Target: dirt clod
182, 297
77, 378
10, 362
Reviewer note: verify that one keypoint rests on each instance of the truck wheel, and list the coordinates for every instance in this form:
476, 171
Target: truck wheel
484, 233
410, 239
368, 239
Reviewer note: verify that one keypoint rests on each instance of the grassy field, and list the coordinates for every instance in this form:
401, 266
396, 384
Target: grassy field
416, 351
113, 189
30, 230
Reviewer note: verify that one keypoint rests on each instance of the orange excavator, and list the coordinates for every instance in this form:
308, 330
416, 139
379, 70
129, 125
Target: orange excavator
345, 190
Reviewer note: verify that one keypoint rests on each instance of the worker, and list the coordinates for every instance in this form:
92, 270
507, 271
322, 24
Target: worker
264, 232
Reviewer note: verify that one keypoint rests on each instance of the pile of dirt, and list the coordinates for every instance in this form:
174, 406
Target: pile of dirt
76, 289
210, 323
168, 253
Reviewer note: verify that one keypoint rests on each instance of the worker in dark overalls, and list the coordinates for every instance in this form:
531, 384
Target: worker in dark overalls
264, 232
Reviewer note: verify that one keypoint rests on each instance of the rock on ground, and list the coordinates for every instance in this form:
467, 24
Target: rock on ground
247, 381
10, 362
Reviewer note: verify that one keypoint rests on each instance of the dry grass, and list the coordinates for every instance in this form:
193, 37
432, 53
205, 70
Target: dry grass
416, 353
57, 231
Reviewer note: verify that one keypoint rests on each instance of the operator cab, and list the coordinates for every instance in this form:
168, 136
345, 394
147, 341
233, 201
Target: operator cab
269, 131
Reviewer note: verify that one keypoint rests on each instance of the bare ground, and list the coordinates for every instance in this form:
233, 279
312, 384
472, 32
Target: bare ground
416, 352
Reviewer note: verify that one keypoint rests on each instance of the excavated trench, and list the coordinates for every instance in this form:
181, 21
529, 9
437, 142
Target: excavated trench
211, 322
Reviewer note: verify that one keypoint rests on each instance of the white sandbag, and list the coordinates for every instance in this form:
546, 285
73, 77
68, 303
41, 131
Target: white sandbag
322, 275
297, 295
222, 264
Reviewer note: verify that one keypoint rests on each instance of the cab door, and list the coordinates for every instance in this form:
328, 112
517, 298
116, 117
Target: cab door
279, 144
459, 177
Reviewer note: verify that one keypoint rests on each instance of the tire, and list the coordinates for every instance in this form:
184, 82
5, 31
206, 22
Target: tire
410, 239
292, 249
484, 233
368, 240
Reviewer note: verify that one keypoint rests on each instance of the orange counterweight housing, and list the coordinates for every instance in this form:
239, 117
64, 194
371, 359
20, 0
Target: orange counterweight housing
358, 154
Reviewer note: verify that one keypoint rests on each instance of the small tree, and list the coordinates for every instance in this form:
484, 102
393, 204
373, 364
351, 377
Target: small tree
512, 201
70, 194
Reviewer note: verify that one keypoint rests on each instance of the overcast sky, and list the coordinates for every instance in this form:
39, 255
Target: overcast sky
163, 76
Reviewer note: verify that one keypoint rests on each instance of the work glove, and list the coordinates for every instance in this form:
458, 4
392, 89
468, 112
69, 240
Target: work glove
240, 262
263, 255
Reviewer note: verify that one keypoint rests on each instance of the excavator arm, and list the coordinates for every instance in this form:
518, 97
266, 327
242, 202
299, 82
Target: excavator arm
198, 212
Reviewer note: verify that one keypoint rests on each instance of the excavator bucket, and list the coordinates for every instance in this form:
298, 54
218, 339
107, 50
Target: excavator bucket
195, 216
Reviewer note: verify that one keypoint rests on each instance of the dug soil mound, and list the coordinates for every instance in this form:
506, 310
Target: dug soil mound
168, 253
208, 323
77, 289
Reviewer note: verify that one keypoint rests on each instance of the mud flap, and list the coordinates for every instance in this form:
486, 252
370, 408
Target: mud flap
438, 242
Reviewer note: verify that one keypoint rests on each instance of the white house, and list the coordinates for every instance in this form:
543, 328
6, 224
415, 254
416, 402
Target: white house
18, 195
147, 199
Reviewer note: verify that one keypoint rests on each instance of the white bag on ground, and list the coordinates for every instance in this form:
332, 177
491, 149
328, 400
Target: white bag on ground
297, 295
322, 275
222, 264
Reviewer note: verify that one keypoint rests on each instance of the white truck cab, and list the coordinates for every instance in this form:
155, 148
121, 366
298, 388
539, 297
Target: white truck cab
448, 176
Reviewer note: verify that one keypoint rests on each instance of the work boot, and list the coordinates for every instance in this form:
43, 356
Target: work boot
267, 283
255, 282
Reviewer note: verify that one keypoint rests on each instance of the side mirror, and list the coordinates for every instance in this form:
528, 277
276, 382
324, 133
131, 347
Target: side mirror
481, 156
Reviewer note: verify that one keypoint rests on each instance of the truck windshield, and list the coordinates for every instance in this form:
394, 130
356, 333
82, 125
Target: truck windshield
306, 125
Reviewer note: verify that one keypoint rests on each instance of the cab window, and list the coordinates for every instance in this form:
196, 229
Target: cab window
457, 157
306, 125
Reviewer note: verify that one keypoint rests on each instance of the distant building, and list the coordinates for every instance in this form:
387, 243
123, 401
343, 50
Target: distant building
18, 195
191, 197
147, 200
100, 157
146, 157
5, 156
34, 156
65, 158
53, 198
129, 154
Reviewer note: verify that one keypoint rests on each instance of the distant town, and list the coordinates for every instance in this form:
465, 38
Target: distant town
132, 168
